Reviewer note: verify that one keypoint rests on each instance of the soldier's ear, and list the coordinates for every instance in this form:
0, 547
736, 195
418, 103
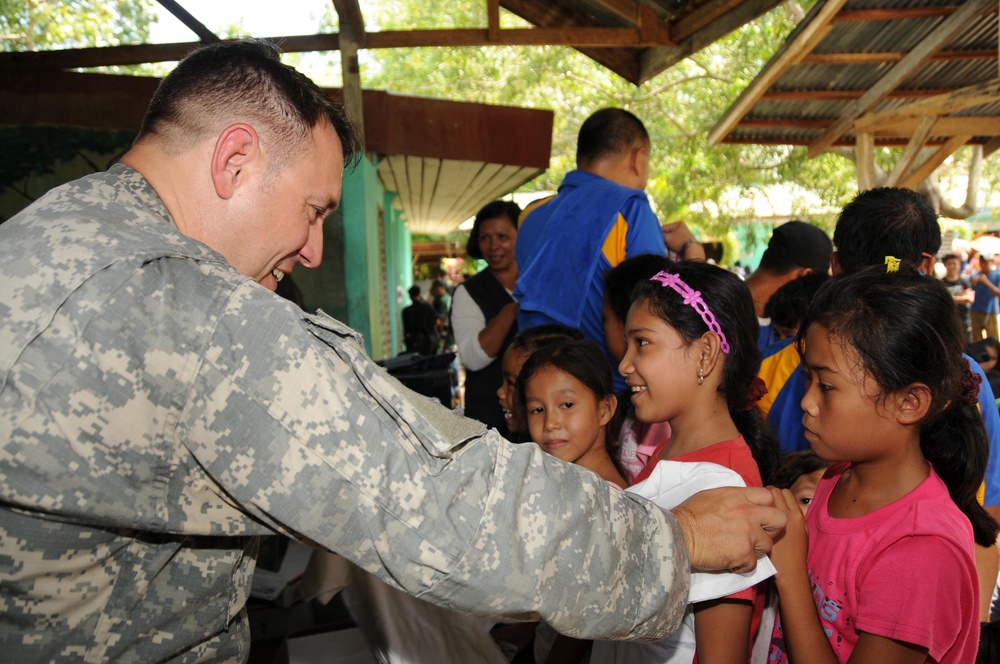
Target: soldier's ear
236, 149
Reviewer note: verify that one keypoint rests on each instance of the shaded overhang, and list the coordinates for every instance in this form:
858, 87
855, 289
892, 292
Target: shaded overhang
636, 39
444, 159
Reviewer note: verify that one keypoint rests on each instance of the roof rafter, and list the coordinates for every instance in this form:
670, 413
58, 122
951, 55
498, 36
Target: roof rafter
802, 41
880, 57
699, 29
196, 26
944, 31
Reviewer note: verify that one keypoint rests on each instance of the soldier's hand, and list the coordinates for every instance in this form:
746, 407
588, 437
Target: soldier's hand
729, 528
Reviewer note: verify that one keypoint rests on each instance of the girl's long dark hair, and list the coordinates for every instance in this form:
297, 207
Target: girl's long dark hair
905, 329
729, 299
585, 361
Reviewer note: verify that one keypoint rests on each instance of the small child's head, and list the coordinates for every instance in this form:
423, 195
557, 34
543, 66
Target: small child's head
566, 395
524, 344
788, 306
882, 352
692, 345
618, 287
800, 472
952, 265
688, 325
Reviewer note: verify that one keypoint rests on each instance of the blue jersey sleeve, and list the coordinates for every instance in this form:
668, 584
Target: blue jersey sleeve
644, 234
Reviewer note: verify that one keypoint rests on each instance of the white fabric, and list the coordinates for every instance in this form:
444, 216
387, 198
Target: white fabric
669, 485
467, 321
402, 629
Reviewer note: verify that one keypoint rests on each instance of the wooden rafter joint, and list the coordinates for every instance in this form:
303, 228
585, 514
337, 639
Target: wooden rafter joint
653, 31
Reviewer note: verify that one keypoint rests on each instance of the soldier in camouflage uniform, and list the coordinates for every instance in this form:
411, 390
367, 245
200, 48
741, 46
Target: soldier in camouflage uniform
161, 408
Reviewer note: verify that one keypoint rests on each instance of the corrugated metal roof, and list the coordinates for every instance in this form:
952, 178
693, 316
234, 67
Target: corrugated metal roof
867, 40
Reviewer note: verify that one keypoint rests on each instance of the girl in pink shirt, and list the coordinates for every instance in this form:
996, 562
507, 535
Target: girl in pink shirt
887, 572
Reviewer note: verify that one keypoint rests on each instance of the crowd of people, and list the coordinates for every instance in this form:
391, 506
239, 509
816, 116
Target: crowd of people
808, 373
163, 409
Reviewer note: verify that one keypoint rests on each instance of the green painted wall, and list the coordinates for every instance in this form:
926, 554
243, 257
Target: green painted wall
366, 264
399, 242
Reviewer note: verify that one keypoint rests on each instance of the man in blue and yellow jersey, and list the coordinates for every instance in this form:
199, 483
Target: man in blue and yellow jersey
599, 217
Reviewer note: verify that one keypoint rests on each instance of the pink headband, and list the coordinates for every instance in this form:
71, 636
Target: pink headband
693, 299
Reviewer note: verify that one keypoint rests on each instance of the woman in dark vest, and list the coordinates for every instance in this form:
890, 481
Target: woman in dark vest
483, 312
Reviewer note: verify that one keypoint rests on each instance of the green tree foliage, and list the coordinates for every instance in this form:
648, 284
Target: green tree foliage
679, 106
31, 25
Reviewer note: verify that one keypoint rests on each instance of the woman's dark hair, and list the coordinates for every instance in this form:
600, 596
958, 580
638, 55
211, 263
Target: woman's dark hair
585, 361
729, 299
508, 209
904, 329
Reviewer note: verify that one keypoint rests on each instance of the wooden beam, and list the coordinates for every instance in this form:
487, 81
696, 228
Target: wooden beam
582, 37
783, 123
196, 26
624, 62
802, 41
705, 14
493, 19
655, 60
626, 9
352, 95
864, 157
107, 56
349, 13
884, 57
986, 125
819, 95
894, 14
911, 151
991, 146
951, 102
928, 166
948, 126
651, 29
842, 142
945, 30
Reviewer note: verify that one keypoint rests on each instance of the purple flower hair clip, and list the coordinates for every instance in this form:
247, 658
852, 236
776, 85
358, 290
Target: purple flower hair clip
693, 299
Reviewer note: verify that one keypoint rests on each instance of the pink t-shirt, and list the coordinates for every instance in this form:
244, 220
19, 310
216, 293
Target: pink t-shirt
906, 571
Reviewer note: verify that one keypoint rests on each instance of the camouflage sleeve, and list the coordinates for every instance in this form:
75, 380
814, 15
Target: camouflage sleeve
302, 429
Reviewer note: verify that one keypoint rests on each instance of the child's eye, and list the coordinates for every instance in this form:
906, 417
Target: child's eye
535, 411
641, 342
805, 501
566, 404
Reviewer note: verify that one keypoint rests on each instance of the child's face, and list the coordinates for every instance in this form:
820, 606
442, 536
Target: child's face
845, 418
658, 367
804, 488
513, 360
564, 417
784, 331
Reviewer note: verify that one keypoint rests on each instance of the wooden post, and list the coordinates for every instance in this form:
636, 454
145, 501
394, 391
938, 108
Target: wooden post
352, 79
864, 154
